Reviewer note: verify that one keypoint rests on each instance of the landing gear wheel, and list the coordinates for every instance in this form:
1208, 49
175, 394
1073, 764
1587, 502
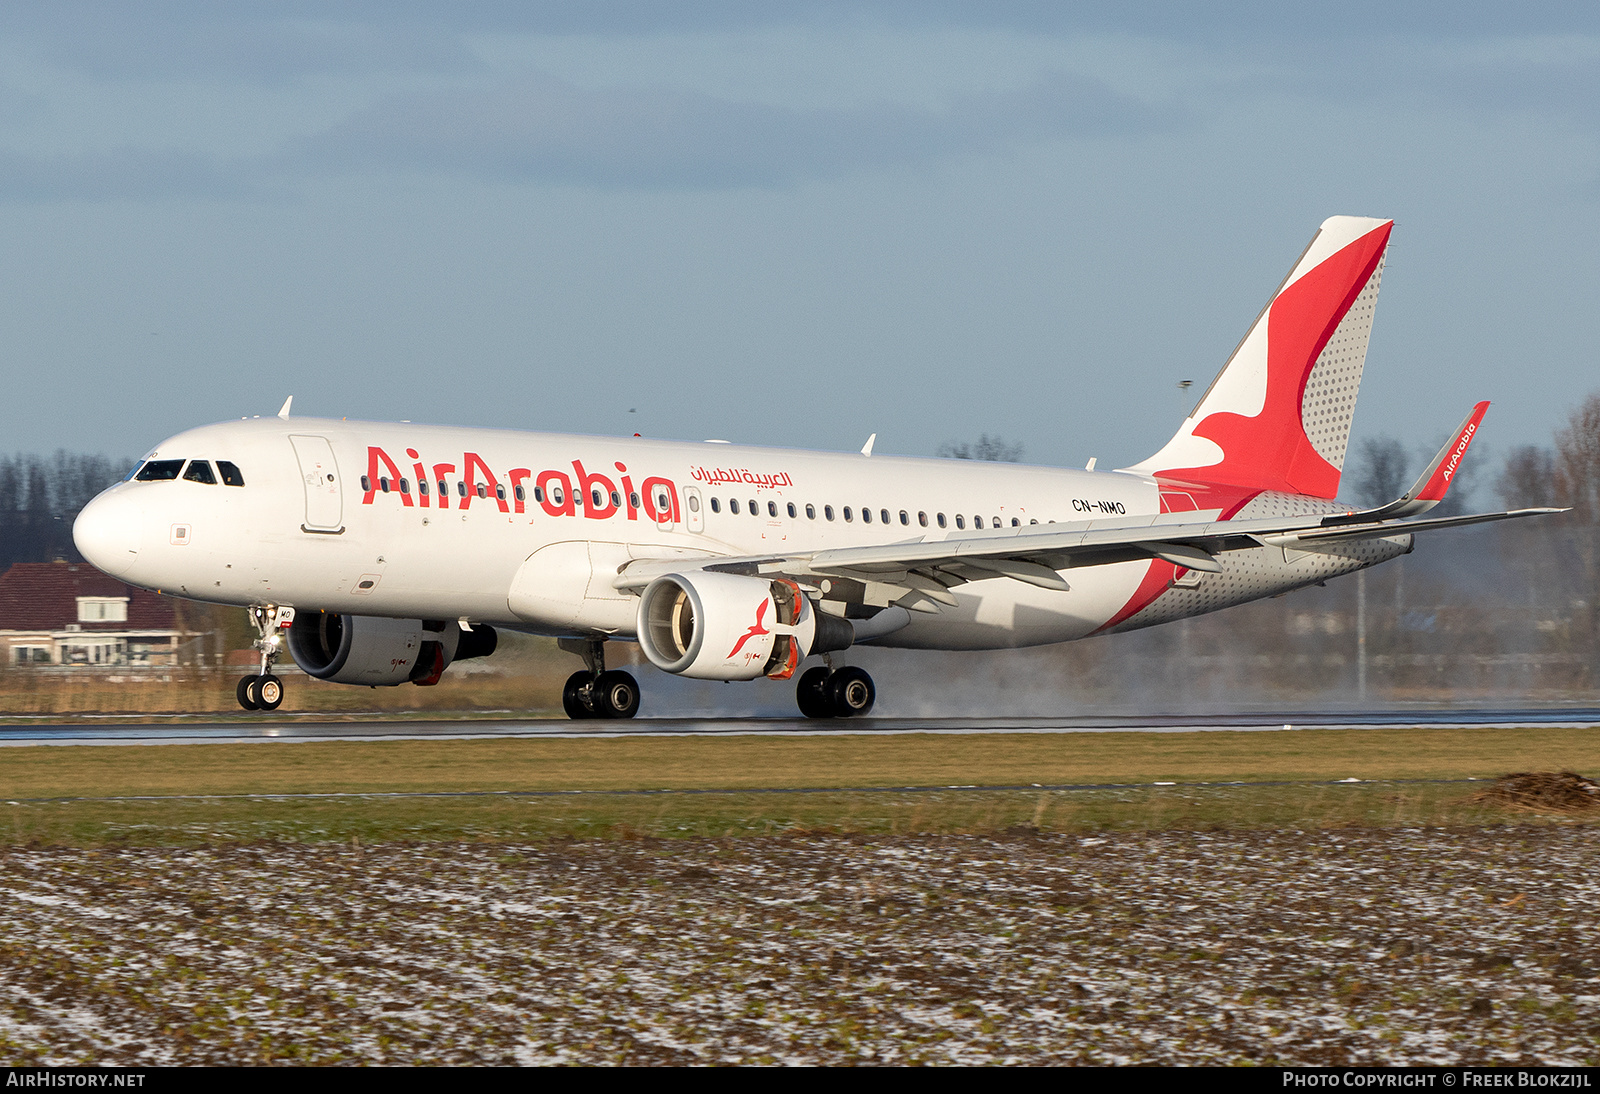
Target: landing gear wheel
615, 695
812, 693
246, 693
267, 692
576, 696
851, 693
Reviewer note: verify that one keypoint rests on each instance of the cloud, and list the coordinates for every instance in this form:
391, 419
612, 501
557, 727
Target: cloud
290, 38
121, 174
238, 43
543, 130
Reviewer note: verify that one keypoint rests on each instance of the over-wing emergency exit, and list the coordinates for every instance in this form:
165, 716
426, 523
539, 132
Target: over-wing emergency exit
384, 552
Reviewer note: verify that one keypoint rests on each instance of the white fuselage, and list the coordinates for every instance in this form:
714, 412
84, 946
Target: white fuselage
516, 538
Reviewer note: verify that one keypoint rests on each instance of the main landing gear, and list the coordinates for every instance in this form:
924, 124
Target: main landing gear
264, 691
824, 692
594, 692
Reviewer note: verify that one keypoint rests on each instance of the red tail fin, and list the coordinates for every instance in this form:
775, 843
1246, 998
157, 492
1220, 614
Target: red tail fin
1277, 417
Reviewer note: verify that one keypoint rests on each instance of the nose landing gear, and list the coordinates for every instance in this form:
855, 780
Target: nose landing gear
594, 691
264, 691
845, 693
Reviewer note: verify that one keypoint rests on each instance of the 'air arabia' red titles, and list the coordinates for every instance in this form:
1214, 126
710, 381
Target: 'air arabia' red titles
558, 493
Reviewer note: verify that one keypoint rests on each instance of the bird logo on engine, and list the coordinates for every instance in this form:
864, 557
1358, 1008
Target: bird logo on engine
756, 631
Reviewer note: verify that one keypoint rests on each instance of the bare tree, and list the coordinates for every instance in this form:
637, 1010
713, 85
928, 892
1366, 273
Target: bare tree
1528, 478
1577, 484
1380, 471
984, 448
39, 499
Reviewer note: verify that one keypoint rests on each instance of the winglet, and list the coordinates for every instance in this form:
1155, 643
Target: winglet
866, 449
284, 413
1436, 479
1430, 487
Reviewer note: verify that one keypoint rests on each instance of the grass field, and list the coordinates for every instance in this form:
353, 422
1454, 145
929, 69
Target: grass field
531, 789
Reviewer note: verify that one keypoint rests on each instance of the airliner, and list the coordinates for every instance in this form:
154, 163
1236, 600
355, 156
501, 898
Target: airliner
382, 553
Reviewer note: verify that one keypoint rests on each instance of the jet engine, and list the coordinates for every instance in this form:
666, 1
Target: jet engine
715, 626
381, 652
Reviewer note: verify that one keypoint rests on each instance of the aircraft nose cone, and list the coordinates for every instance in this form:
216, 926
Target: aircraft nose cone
107, 531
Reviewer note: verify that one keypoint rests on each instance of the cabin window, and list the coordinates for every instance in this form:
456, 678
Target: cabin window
616, 500
231, 475
1033, 522
594, 496
405, 486
977, 522
907, 520
521, 492
159, 471
557, 495
792, 513
483, 490
716, 506
827, 512
633, 500
694, 503
866, 516
1015, 523
200, 471
366, 483
995, 523
811, 511
922, 519
422, 487
940, 519
538, 494
755, 510
461, 487
383, 484
772, 509
884, 513
444, 489
733, 506
847, 516
961, 521
499, 491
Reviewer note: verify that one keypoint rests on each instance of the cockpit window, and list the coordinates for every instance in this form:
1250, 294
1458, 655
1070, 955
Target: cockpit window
200, 471
230, 473
159, 471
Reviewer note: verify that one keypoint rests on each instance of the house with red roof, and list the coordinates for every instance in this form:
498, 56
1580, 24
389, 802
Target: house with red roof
64, 613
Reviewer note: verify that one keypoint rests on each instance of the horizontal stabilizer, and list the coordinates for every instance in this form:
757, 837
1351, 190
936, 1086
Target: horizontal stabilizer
1383, 529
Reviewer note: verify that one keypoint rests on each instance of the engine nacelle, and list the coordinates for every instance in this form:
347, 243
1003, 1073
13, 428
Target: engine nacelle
381, 652
714, 626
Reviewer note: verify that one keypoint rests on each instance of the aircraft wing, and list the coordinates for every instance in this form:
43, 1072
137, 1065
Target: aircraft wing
919, 574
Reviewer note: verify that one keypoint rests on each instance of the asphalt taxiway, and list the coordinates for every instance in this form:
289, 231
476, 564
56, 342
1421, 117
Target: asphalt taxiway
120, 730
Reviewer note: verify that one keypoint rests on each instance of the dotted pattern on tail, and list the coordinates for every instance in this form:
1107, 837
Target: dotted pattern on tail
1329, 401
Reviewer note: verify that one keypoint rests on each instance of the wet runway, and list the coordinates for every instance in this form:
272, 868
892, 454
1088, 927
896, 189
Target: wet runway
117, 730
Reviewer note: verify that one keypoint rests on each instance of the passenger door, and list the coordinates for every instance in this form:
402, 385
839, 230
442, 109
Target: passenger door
320, 475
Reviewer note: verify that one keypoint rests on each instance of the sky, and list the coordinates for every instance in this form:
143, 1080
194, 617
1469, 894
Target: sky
785, 223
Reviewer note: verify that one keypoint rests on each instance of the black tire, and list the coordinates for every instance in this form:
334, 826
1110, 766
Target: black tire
575, 696
246, 693
812, 693
851, 693
268, 692
616, 695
